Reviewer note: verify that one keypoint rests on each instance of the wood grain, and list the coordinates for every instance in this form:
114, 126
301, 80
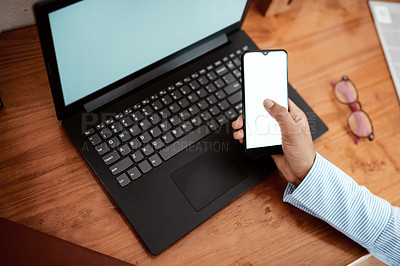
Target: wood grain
46, 184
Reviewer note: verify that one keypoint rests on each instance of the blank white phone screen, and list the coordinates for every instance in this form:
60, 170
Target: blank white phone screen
265, 77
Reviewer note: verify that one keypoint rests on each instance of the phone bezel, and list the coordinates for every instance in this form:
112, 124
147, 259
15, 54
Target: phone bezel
267, 150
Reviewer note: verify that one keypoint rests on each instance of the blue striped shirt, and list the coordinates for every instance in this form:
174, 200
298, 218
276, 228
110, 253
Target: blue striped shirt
331, 195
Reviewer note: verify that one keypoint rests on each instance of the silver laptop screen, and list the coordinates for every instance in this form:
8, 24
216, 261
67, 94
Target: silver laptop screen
98, 42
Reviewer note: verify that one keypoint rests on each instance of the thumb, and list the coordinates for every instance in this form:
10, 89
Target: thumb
279, 113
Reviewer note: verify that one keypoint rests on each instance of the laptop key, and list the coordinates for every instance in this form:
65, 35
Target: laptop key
89, 132
147, 150
193, 97
102, 148
124, 136
158, 143
183, 102
116, 127
212, 124
185, 89
196, 121
235, 97
118, 116
113, 142
111, 157
205, 116
239, 108
228, 78
137, 156
145, 124
123, 180
231, 114
166, 100
137, 116
135, 144
194, 85
219, 83
230, 65
178, 132
203, 104
187, 126
121, 166
194, 109
157, 105
237, 73
94, 139
184, 115
223, 105
105, 133
145, 167
155, 119
165, 126
155, 160
203, 80
214, 110
211, 99
109, 121
100, 126
135, 130
211, 75
220, 94
136, 106
155, 132
222, 70
127, 111
183, 143
210, 88
202, 93
147, 110
145, 137
124, 150
222, 120
174, 108
232, 87
126, 122
134, 173
175, 120
168, 138
176, 95
237, 61
165, 113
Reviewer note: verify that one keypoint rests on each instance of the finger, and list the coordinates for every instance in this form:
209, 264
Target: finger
238, 123
279, 161
241, 141
238, 134
280, 113
295, 112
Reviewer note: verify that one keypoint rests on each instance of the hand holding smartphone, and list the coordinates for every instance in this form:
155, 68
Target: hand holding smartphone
265, 76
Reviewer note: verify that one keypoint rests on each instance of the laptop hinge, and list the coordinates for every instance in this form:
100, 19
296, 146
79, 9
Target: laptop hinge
156, 72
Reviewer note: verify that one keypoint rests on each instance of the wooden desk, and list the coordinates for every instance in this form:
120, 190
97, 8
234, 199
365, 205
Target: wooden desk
46, 184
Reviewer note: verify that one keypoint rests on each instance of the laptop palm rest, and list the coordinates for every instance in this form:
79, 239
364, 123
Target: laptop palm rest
207, 177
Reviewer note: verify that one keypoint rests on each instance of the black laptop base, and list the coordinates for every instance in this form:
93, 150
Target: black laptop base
172, 199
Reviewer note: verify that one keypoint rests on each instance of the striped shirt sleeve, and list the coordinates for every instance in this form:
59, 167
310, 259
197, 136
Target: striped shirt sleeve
331, 195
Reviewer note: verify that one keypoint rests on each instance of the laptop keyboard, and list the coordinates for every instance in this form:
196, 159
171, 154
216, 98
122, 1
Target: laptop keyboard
142, 137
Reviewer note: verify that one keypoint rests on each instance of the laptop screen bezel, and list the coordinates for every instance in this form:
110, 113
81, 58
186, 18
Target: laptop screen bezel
42, 10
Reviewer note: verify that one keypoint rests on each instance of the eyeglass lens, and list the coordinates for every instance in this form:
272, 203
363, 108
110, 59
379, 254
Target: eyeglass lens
345, 92
360, 124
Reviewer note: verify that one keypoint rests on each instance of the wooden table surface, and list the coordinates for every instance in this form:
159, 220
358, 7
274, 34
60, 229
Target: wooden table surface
46, 184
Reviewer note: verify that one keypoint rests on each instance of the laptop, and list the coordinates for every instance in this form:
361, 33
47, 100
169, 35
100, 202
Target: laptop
147, 91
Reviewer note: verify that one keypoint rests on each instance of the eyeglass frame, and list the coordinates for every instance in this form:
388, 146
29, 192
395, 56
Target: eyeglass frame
353, 108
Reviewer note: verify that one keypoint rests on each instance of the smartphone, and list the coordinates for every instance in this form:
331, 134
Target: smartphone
265, 76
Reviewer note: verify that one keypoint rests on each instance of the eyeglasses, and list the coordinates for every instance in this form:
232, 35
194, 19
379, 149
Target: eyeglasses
359, 123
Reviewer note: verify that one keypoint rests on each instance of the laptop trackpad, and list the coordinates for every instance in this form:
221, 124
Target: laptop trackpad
207, 177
